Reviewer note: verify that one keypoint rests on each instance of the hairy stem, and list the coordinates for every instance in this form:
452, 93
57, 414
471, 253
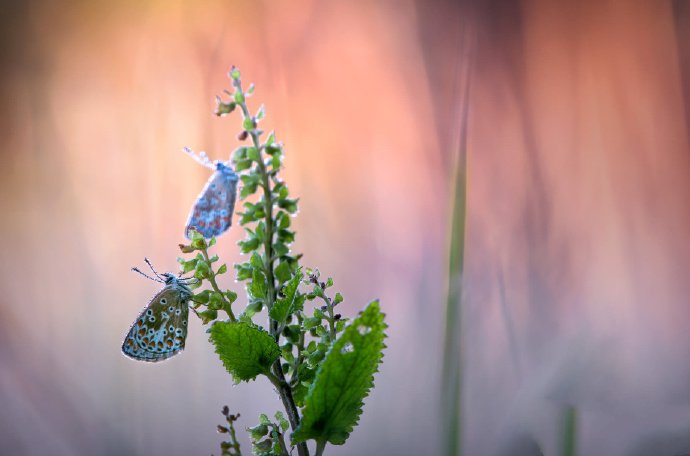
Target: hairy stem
233, 438
281, 385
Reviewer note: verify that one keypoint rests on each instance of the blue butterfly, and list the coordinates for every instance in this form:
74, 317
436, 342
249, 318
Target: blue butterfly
160, 330
211, 214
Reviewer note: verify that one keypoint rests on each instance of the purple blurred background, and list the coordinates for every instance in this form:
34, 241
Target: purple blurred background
578, 227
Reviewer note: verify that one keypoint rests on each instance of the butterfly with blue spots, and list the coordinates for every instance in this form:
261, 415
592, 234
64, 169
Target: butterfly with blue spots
211, 214
160, 330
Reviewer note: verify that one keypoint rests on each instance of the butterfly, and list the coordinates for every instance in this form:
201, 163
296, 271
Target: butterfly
211, 214
159, 332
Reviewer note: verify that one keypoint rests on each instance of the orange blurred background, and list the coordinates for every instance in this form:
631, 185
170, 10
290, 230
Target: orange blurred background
578, 248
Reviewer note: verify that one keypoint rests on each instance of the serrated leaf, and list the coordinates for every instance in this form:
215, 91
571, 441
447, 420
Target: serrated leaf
245, 350
286, 305
334, 402
282, 422
282, 271
258, 287
244, 271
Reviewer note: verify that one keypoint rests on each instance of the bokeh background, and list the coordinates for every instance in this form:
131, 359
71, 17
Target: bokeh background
577, 256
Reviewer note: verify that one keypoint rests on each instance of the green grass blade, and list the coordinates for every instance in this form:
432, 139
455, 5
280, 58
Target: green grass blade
569, 431
451, 400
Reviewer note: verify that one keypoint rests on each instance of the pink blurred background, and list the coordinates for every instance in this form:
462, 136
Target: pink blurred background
578, 248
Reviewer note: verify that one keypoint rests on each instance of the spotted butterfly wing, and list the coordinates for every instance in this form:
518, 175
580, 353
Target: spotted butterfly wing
212, 211
161, 329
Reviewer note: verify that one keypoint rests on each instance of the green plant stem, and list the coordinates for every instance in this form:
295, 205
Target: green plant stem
214, 285
331, 318
281, 441
281, 385
268, 210
285, 393
320, 446
233, 438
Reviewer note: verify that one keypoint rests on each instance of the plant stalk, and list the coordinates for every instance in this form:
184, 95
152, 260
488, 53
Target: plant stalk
284, 390
320, 445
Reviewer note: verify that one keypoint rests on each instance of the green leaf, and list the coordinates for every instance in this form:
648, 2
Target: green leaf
282, 272
345, 377
256, 261
282, 422
241, 165
258, 431
283, 219
203, 270
286, 236
239, 154
271, 148
188, 265
280, 249
251, 310
288, 204
202, 297
244, 271
258, 286
245, 350
222, 269
286, 305
249, 245
252, 152
208, 316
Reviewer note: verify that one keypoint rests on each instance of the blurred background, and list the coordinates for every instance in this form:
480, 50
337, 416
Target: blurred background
573, 118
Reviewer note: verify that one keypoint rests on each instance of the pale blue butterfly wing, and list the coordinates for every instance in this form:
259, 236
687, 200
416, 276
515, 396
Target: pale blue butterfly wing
212, 211
159, 332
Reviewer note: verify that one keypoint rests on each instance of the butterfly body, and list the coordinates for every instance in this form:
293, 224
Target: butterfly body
159, 332
212, 211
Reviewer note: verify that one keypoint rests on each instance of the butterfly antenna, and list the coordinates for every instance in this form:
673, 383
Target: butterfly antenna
187, 279
200, 158
154, 271
145, 275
